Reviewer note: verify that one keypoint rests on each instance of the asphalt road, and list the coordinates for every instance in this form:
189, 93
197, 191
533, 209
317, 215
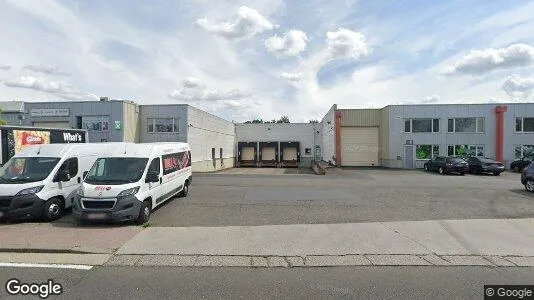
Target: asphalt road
343, 196
348, 196
295, 283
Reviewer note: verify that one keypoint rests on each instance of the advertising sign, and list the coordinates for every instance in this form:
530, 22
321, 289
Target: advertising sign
25, 138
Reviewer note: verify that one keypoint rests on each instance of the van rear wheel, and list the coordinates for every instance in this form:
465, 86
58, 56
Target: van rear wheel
185, 190
144, 213
52, 210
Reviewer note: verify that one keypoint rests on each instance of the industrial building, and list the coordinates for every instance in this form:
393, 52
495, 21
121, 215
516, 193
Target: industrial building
396, 136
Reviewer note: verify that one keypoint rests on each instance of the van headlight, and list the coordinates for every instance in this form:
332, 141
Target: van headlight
129, 192
80, 191
30, 191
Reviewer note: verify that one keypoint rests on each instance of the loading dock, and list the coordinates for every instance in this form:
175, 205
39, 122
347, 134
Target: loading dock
289, 154
268, 154
247, 154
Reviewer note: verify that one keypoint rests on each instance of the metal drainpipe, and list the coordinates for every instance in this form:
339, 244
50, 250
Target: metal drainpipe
499, 111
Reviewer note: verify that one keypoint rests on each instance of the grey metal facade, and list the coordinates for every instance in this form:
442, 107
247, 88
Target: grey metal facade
398, 138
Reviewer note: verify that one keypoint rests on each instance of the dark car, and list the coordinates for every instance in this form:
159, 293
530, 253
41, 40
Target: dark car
479, 165
445, 165
527, 177
520, 164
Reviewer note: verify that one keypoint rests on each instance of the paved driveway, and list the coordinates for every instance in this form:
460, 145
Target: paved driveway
343, 196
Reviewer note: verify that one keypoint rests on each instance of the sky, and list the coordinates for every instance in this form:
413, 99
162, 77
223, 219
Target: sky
263, 59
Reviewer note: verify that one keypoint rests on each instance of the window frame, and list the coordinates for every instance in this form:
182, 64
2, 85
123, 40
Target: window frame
522, 120
469, 146
158, 159
432, 125
522, 149
102, 119
175, 126
479, 122
65, 162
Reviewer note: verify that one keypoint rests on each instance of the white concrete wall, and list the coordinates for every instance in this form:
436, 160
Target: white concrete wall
206, 131
304, 133
328, 131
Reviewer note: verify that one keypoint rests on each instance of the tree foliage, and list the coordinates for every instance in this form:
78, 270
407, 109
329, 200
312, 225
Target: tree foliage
2, 121
283, 119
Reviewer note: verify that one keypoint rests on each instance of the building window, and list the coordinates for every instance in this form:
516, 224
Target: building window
156, 125
524, 124
421, 125
213, 153
221, 153
307, 151
523, 150
426, 151
95, 123
474, 125
465, 150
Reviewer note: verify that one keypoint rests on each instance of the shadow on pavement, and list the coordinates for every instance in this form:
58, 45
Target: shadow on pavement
523, 193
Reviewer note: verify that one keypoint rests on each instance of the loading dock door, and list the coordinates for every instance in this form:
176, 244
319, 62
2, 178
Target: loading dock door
359, 146
247, 154
63, 125
290, 153
268, 153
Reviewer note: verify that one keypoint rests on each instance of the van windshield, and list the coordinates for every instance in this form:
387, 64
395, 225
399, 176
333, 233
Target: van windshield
116, 170
27, 169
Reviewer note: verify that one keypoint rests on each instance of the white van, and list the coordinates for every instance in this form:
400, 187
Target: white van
128, 184
41, 180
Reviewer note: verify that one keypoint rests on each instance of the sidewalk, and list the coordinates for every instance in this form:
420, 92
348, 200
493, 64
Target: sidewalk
501, 243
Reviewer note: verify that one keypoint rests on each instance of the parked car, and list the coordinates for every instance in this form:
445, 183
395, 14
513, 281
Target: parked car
445, 165
527, 177
520, 164
479, 165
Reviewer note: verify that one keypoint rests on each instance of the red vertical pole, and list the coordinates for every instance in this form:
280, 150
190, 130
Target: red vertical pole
338, 137
499, 111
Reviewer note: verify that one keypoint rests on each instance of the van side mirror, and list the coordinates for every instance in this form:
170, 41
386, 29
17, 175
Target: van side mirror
63, 176
152, 177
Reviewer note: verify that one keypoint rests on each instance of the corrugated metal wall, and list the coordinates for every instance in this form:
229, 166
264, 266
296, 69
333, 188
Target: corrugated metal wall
361, 117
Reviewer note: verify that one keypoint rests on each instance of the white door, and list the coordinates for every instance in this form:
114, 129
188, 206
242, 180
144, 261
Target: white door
268, 153
68, 188
156, 188
247, 153
62, 125
359, 146
290, 153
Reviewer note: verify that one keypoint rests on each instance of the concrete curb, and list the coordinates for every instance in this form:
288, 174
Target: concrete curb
318, 260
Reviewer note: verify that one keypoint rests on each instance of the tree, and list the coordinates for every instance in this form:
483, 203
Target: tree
2, 121
255, 121
314, 121
283, 119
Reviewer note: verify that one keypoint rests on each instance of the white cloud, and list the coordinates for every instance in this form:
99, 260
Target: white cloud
44, 69
247, 23
292, 76
57, 88
193, 89
5, 67
345, 43
292, 43
481, 61
517, 86
431, 99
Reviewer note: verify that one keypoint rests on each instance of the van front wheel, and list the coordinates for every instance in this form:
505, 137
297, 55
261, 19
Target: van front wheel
52, 210
144, 213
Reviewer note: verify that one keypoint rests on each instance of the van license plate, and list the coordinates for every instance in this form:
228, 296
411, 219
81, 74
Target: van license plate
96, 216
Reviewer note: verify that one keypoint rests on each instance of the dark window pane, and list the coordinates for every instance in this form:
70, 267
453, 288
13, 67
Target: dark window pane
528, 124
435, 151
465, 125
517, 152
450, 125
422, 125
407, 126
450, 150
423, 151
154, 166
480, 126
518, 124
435, 125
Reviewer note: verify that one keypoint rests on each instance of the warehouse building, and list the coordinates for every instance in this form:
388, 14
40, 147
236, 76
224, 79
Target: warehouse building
396, 136
211, 138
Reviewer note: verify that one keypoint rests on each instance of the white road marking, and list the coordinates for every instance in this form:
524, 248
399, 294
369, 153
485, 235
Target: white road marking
52, 266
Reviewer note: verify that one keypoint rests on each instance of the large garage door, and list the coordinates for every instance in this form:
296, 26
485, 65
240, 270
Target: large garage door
247, 153
359, 146
290, 153
63, 125
268, 153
